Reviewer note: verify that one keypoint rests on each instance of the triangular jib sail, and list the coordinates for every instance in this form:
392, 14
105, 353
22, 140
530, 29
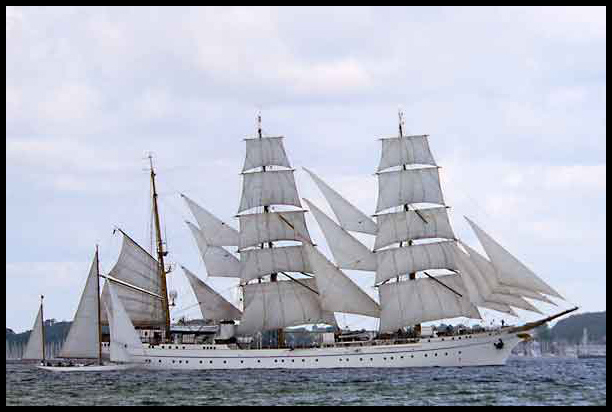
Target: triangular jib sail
35, 347
83, 340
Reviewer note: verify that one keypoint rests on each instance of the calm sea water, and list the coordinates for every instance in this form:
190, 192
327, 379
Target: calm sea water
521, 382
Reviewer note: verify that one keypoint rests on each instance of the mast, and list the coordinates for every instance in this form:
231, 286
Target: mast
273, 276
42, 326
99, 310
160, 253
411, 276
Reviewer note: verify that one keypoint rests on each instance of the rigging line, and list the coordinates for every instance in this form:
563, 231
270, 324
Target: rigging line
297, 281
447, 287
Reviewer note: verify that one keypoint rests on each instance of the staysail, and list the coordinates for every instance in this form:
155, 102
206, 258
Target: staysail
348, 215
212, 305
348, 252
218, 261
512, 271
337, 292
215, 231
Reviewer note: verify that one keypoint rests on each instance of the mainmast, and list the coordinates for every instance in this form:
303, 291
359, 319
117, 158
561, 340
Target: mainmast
411, 276
160, 253
280, 338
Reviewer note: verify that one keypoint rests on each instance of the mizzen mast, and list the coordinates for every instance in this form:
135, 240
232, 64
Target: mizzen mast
160, 253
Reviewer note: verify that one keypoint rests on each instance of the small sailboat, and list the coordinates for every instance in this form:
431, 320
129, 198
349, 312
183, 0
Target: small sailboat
83, 342
35, 349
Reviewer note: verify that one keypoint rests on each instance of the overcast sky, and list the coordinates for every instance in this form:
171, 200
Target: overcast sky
514, 100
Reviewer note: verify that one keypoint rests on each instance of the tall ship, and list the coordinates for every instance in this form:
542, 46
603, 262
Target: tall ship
422, 273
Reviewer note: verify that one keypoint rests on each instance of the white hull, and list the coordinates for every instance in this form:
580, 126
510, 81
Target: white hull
89, 368
467, 350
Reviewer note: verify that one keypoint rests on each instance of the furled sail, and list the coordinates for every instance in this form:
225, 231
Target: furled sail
405, 150
483, 273
137, 267
34, 348
125, 343
277, 305
397, 188
409, 259
348, 252
411, 225
265, 151
83, 340
256, 263
349, 216
267, 227
422, 300
218, 261
215, 231
512, 272
276, 187
212, 305
337, 292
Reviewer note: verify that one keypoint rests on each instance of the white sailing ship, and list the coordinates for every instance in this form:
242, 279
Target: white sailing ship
422, 273
82, 349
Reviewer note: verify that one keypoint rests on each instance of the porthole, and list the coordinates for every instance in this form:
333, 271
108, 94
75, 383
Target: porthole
224, 361
347, 359
425, 355
371, 359
180, 361
211, 362
160, 361
316, 360
340, 359
303, 360
361, 359
282, 361
445, 353
459, 352
275, 360
384, 358
173, 361
200, 361
391, 358
435, 354
241, 361
186, 361
401, 357
258, 360
412, 356
183, 347
292, 360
